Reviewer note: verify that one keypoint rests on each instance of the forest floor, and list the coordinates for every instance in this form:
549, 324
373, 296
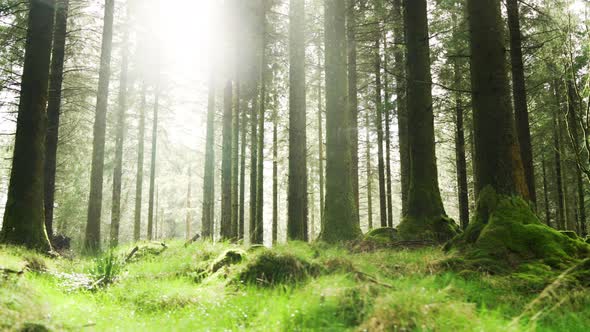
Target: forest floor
294, 287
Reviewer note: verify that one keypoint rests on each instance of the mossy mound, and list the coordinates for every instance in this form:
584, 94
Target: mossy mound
148, 251
505, 234
438, 229
383, 235
270, 268
571, 235
230, 257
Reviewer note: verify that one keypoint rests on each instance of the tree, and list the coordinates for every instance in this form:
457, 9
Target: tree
402, 116
24, 218
353, 94
520, 97
140, 160
54, 108
235, 161
188, 208
154, 153
297, 214
92, 240
207, 217
380, 138
340, 219
425, 218
226, 197
119, 140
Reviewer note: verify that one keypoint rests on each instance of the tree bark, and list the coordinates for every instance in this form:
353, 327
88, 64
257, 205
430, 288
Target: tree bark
461, 160
340, 219
119, 140
154, 152
297, 228
353, 96
24, 218
320, 141
520, 97
92, 240
140, 161
545, 191
226, 164
425, 207
561, 219
235, 162
275, 170
253, 165
188, 207
54, 108
387, 134
379, 127
369, 171
402, 113
207, 217
243, 131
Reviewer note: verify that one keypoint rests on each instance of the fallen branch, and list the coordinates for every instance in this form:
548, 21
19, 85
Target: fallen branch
11, 271
193, 239
133, 251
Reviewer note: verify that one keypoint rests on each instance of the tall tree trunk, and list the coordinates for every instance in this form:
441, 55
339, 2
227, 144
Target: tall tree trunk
320, 140
297, 193
558, 162
340, 219
402, 113
379, 127
461, 160
520, 98
119, 140
275, 170
235, 162
498, 160
575, 138
157, 214
425, 208
92, 240
54, 108
140, 160
369, 171
257, 232
253, 165
188, 207
207, 217
24, 218
153, 163
353, 96
226, 167
243, 143
387, 135
545, 193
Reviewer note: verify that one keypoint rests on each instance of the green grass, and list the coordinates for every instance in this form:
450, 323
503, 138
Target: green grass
173, 289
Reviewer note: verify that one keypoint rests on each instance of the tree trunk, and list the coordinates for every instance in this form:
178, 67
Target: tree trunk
461, 160
575, 138
558, 163
253, 165
208, 213
387, 135
297, 192
140, 160
498, 158
226, 164
54, 108
188, 207
353, 96
520, 97
320, 141
545, 194
425, 208
243, 144
119, 140
235, 163
402, 113
24, 218
153, 164
369, 171
340, 219
92, 240
275, 170
379, 127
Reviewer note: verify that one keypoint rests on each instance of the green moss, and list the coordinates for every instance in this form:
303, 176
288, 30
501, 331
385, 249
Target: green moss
439, 229
571, 235
505, 234
229, 257
271, 268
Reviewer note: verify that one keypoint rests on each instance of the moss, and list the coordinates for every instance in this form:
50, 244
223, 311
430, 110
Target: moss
505, 234
385, 234
439, 229
270, 268
34, 327
571, 235
230, 257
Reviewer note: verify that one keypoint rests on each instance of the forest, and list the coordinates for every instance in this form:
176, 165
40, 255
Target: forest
294, 165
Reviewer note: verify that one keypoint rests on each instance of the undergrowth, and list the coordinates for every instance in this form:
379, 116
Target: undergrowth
294, 287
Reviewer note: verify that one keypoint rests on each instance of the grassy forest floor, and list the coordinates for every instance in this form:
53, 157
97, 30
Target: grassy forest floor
293, 287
